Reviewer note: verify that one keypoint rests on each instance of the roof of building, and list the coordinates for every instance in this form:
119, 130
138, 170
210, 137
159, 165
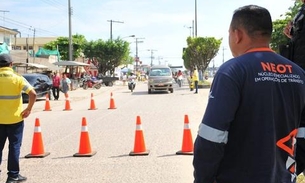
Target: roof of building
10, 31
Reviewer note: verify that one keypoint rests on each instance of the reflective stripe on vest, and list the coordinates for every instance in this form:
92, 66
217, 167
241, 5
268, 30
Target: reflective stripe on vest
301, 132
5, 97
212, 134
25, 88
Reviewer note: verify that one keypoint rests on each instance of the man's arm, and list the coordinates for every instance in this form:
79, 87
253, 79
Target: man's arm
207, 157
300, 146
214, 130
300, 155
32, 99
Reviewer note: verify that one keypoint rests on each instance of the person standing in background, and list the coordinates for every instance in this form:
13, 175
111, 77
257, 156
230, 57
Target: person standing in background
179, 78
65, 84
295, 30
56, 85
12, 116
195, 79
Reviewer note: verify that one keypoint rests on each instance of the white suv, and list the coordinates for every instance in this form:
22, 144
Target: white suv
160, 78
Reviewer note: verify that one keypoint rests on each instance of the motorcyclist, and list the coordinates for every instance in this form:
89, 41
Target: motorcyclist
131, 80
131, 76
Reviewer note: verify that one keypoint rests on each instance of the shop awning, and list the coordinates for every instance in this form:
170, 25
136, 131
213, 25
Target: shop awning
70, 63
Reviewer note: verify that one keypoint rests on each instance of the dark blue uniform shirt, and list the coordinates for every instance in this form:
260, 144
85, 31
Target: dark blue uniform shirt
249, 128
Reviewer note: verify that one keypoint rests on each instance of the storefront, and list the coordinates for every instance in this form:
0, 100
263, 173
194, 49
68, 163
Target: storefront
73, 70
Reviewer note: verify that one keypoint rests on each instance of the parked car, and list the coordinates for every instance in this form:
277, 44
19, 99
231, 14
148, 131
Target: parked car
160, 78
41, 83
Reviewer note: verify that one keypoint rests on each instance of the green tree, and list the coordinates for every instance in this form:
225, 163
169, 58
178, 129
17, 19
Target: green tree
200, 51
278, 37
109, 54
62, 43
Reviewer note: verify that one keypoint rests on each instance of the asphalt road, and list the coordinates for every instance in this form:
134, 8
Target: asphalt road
112, 135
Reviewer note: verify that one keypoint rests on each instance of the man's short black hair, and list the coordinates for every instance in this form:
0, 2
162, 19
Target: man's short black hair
254, 19
5, 64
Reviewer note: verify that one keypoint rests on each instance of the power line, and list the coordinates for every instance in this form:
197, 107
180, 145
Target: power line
25, 27
55, 4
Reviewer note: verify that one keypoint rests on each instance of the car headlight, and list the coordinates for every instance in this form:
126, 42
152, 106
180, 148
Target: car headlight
151, 80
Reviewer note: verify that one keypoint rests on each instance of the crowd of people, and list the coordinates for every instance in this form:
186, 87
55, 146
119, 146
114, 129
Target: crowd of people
61, 83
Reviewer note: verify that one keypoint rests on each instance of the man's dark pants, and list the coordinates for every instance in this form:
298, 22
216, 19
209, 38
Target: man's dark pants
55, 91
14, 133
196, 86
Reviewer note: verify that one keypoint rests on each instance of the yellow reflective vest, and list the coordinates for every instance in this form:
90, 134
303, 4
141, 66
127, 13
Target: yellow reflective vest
11, 87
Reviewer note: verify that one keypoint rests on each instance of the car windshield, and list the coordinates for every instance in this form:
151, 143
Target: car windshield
160, 72
31, 80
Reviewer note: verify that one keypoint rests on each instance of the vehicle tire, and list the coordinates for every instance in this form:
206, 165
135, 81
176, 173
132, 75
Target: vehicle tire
133, 86
85, 86
98, 86
110, 83
171, 90
149, 91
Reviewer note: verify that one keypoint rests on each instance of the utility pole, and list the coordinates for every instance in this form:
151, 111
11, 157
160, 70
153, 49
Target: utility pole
190, 27
151, 56
195, 18
223, 54
113, 21
27, 50
34, 31
159, 59
137, 56
193, 27
213, 68
4, 11
70, 32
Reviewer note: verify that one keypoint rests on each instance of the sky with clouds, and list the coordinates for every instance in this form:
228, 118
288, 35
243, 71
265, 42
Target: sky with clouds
163, 24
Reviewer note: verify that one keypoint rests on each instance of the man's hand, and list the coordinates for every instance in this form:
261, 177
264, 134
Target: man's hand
25, 113
32, 99
287, 29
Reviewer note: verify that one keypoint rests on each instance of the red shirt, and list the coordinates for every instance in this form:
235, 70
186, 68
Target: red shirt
56, 81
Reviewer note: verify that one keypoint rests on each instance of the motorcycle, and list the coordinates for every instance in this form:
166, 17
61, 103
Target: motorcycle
92, 82
131, 84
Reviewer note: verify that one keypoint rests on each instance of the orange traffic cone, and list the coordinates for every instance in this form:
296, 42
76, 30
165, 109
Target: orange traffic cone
47, 106
67, 104
139, 144
187, 142
84, 146
92, 103
37, 145
112, 104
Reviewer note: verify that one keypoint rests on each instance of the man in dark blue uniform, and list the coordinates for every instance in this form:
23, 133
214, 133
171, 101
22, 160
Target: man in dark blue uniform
256, 105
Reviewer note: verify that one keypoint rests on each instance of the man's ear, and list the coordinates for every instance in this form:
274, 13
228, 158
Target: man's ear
238, 35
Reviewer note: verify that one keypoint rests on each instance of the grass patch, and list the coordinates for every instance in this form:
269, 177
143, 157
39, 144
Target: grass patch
204, 84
